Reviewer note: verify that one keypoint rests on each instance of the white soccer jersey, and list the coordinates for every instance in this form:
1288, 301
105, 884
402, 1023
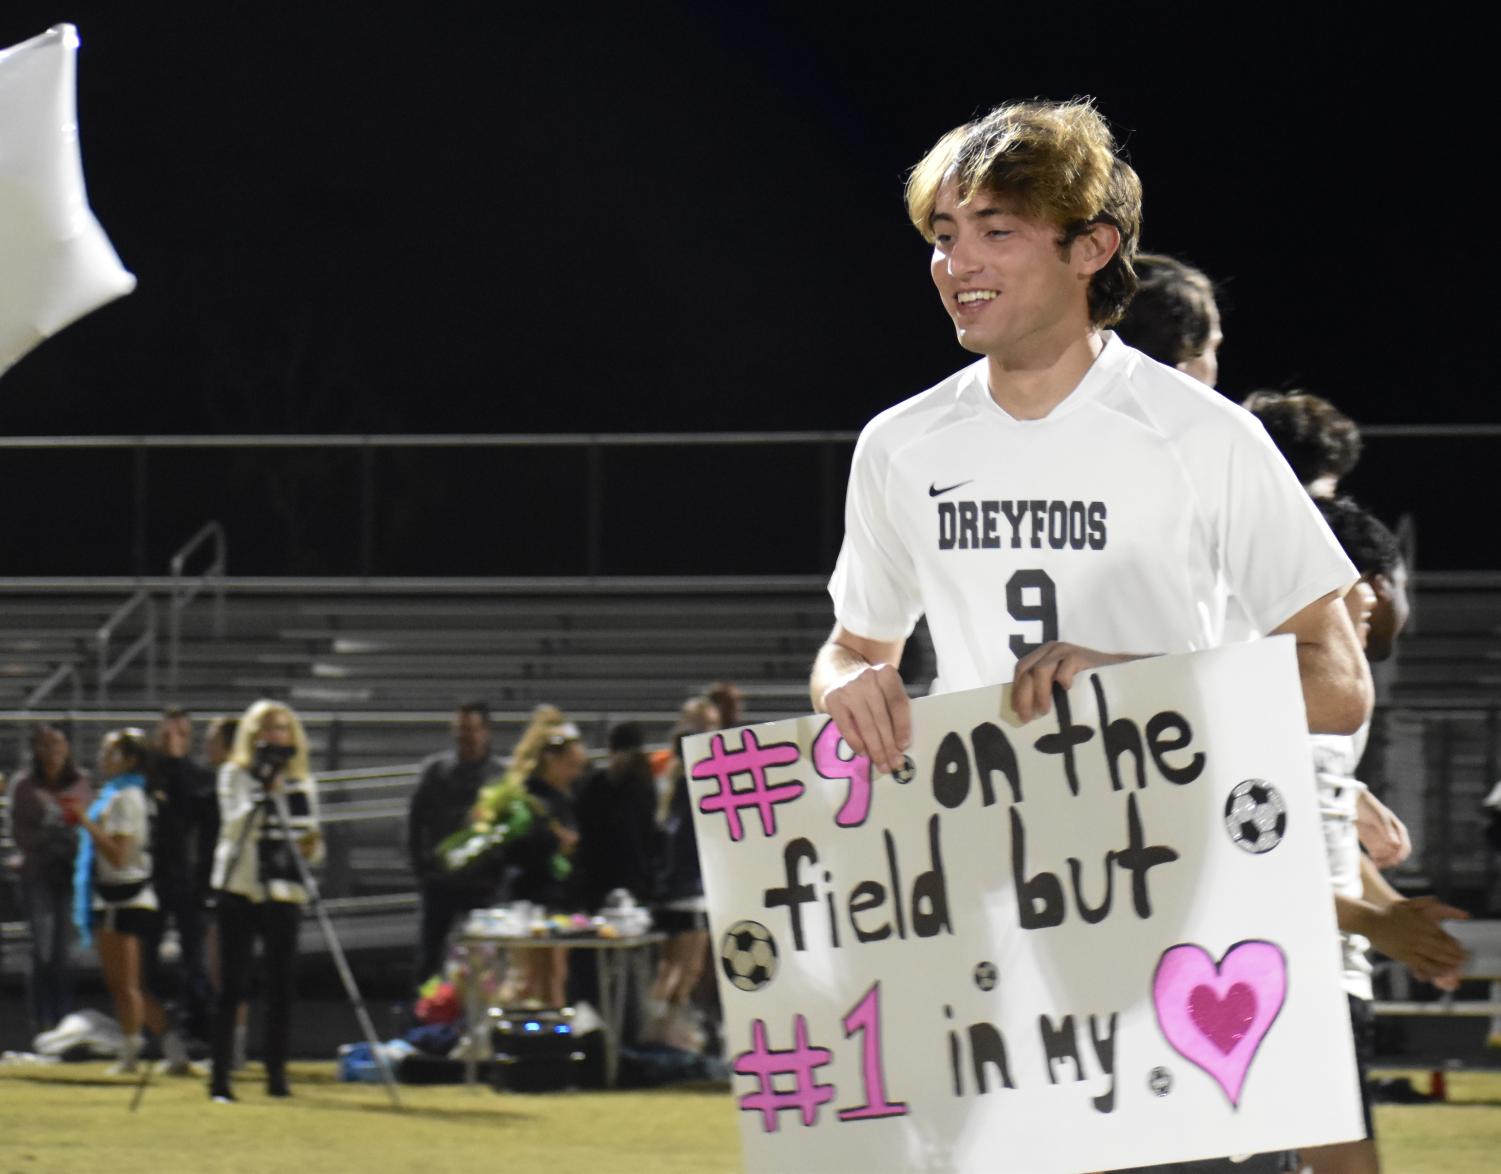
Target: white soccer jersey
129, 815
1335, 757
1121, 522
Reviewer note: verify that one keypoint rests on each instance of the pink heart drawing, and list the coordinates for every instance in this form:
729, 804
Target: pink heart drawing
1225, 1021
1217, 1016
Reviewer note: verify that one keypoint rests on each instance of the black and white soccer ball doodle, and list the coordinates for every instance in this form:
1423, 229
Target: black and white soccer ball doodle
1256, 815
748, 954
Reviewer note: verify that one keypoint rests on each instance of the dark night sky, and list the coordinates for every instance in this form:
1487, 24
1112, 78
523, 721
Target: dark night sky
449, 216
480, 217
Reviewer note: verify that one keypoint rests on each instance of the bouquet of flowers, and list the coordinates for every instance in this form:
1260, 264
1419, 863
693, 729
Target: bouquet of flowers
503, 813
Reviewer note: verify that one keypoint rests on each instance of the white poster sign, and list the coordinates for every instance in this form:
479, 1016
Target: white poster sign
1101, 939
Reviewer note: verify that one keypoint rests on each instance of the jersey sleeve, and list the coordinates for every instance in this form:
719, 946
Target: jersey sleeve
874, 586
1278, 553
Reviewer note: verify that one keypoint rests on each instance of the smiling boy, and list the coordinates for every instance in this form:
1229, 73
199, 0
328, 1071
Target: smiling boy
1064, 502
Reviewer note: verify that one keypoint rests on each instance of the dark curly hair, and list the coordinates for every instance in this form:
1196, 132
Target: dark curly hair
1172, 314
1317, 438
1371, 546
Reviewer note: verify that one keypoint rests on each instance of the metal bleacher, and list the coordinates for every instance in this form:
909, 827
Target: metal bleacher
375, 668
1435, 748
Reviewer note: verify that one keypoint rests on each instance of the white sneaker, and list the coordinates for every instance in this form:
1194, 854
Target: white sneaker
684, 1031
130, 1052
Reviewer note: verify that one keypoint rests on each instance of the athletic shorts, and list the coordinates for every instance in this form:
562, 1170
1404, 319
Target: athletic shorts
675, 921
140, 923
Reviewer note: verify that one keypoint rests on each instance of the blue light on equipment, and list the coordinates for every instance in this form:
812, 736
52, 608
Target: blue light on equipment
533, 1025
562, 1029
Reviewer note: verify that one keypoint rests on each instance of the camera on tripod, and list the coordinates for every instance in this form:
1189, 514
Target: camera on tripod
269, 760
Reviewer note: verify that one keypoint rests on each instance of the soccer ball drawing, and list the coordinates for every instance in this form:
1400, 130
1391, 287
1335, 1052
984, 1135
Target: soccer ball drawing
748, 954
1255, 815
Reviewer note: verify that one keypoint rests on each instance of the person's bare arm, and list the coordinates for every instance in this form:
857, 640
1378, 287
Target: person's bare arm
855, 681
1409, 931
1336, 683
1381, 832
1337, 692
1377, 891
1375, 887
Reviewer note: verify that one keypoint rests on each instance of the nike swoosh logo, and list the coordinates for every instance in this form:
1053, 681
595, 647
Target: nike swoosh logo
934, 491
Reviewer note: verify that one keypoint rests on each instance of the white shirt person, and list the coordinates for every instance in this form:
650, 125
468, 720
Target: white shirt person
1147, 502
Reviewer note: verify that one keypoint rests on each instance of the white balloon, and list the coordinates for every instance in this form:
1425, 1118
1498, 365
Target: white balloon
56, 264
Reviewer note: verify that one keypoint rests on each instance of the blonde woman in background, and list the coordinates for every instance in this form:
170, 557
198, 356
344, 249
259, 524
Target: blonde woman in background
547, 760
259, 881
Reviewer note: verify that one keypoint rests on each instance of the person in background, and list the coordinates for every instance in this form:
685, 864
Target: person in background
1319, 441
615, 807
1321, 444
114, 899
729, 701
259, 880
540, 878
185, 827
1174, 317
447, 788
218, 744
46, 800
681, 911
1367, 909
695, 716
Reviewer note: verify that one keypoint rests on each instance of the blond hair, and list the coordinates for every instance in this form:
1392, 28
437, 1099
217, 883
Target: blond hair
1057, 162
548, 722
249, 733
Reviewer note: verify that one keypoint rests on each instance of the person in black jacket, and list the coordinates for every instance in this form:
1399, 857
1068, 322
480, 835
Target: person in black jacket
184, 832
446, 792
615, 807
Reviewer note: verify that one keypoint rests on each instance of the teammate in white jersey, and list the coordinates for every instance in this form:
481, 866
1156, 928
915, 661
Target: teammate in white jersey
1065, 502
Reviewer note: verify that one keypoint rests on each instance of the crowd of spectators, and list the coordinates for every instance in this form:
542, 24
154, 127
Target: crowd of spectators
206, 850
176, 867
586, 837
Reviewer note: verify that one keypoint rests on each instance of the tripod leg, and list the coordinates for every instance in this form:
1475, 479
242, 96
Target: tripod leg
315, 898
135, 1101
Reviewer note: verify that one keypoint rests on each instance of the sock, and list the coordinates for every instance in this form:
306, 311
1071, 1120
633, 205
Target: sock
130, 1049
242, 1034
173, 1048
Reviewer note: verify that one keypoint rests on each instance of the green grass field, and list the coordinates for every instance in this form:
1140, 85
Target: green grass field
75, 1118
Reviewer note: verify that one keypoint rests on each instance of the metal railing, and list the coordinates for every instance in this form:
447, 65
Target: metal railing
819, 484
1433, 763
63, 672
590, 527
183, 591
143, 645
